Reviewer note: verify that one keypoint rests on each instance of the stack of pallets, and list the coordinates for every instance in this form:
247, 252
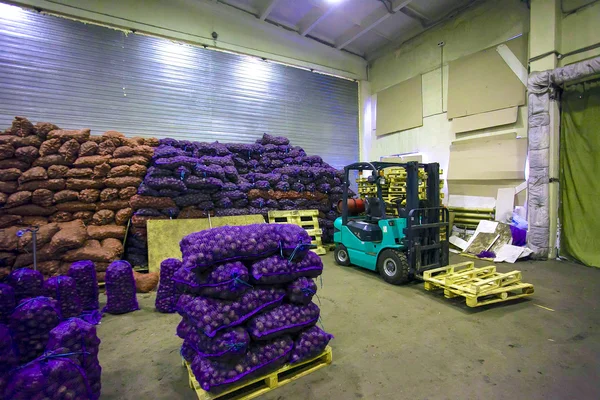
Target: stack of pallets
307, 219
479, 286
469, 218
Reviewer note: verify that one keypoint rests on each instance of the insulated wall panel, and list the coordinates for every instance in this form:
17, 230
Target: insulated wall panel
400, 107
483, 82
79, 75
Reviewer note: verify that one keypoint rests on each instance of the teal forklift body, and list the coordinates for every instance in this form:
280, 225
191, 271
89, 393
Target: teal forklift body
364, 254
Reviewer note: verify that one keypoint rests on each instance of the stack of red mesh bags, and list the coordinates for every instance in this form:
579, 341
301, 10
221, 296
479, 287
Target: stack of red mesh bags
75, 187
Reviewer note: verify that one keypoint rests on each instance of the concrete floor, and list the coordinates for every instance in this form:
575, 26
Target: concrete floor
401, 342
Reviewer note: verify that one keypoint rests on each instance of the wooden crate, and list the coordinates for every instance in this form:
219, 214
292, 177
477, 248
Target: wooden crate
479, 286
257, 387
307, 219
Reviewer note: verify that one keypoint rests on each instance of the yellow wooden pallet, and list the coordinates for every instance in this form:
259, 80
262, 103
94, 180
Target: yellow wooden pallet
479, 286
306, 219
264, 384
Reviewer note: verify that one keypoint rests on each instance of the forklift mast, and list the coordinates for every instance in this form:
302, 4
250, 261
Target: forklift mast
424, 247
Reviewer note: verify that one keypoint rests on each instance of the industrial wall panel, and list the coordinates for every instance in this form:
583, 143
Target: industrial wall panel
79, 75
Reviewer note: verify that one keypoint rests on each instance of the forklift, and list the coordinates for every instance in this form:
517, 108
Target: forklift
399, 248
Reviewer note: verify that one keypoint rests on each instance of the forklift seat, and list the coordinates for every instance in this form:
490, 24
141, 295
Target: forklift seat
373, 209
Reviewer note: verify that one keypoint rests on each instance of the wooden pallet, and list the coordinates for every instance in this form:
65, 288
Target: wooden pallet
264, 384
307, 219
479, 286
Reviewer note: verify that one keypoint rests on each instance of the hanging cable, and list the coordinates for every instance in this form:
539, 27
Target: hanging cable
388, 6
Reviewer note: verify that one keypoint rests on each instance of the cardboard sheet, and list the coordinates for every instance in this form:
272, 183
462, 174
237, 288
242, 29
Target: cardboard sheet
488, 159
483, 82
505, 203
478, 202
508, 253
400, 107
481, 241
485, 120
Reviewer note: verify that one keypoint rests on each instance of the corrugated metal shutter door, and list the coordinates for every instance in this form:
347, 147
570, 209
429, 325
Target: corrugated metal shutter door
77, 75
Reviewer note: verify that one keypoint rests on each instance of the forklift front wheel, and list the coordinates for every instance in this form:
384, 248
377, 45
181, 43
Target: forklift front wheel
393, 267
340, 254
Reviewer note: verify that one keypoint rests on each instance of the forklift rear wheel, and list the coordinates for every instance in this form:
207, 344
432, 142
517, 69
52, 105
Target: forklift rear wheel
393, 267
340, 254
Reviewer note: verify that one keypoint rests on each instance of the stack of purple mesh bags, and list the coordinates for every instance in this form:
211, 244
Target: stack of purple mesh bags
48, 349
193, 180
245, 296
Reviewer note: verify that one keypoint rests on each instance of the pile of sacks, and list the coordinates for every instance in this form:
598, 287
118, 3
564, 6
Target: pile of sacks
48, 342
245, 297
74, 186
193, 180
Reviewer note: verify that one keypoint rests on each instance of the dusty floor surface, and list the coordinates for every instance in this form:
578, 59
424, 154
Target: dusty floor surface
401, 342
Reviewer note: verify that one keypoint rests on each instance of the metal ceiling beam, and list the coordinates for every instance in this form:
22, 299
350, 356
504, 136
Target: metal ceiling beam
411, 12
267, 10
312, 19
370, 22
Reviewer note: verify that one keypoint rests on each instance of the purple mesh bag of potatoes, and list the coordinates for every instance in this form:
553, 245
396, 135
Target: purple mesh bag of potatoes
86, 282
301, 290
63, 289
261, 358
212, 315
7, 302
284, 319
166, 295
26, 282
75, 336
30, 324
277, 269
120, 288
52, 376
310, 343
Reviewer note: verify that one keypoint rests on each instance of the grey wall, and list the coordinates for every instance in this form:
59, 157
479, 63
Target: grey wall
77, 75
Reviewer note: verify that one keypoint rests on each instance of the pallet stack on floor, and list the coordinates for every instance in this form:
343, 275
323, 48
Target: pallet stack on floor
307, 219
394, 188
479, 286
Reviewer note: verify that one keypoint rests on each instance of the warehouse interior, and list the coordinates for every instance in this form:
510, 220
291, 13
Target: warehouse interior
299, 199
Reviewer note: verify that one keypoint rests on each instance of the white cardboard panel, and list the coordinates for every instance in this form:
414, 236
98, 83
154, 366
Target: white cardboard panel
483, 82
400, 107
485, 120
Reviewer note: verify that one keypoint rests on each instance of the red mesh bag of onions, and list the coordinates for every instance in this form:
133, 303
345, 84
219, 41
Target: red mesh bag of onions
120, 288
232, 243
26, 282
277, 269
261, 358
30, 324
79, 337
287, 318
52, 376
229, 344
166, 295
64, 290
7, 302
212, 315
301, 291
310, 343
84, 274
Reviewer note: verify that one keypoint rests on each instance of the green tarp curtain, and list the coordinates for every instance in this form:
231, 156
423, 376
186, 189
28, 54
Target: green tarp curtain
580, 173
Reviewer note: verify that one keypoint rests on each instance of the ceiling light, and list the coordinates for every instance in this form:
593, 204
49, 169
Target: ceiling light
334, 1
